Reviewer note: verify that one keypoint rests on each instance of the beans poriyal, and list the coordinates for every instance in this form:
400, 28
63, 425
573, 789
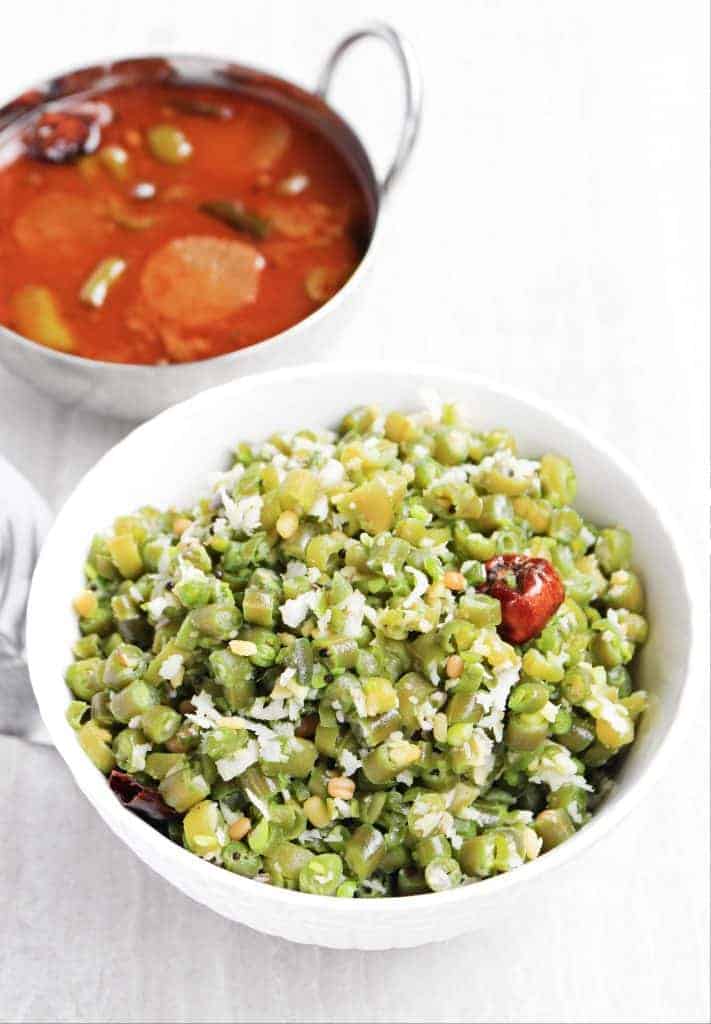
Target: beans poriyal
386, 660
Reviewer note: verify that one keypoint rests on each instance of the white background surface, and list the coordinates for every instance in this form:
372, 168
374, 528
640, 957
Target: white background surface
551, 233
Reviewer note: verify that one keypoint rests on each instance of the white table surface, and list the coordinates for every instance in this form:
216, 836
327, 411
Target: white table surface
551, 234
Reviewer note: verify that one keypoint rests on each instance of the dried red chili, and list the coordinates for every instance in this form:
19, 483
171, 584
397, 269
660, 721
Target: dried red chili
59, 136
142, 799
527, 605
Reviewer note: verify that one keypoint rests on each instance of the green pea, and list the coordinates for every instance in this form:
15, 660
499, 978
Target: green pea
116, 161
169, 144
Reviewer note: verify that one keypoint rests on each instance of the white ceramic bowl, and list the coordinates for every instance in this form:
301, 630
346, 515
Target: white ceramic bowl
165, 461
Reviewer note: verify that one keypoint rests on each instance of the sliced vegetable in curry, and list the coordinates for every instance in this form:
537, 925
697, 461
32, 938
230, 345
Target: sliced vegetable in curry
161, 223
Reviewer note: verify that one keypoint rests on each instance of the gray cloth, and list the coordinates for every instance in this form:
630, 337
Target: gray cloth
24, 519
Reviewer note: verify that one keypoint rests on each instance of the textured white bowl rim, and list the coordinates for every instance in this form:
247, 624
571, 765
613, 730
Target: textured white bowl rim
128, 826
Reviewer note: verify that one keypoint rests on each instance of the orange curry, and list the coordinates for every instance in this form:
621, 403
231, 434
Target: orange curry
167, 223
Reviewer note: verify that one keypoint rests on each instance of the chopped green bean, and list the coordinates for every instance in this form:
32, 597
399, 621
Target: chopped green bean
314, 661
